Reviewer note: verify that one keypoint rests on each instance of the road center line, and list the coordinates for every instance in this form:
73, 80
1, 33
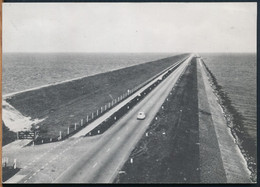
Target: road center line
94, 165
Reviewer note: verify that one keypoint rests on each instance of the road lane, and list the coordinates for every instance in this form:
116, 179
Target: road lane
98, 121
120, 139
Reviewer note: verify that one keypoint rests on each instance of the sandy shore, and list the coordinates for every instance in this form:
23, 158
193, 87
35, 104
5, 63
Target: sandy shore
14, 120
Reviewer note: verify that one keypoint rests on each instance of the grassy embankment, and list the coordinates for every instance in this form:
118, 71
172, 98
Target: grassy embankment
170, 153
236, 123
8, 136
65, 104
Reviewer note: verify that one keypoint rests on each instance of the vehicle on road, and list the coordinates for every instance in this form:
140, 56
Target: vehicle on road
141, 116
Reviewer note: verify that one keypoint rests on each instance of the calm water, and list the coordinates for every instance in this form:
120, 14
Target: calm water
237, 74
24, 70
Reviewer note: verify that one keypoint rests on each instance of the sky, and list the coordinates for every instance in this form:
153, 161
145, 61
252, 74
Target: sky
129, 27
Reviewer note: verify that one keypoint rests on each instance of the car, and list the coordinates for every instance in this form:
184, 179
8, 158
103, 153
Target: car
141, 115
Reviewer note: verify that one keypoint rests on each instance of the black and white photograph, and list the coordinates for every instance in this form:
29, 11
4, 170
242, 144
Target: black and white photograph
158, 92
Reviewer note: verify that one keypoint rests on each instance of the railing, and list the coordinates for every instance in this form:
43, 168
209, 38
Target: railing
72, 129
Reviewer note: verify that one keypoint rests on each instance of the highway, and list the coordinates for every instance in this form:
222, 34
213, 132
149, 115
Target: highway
101, 163
102, 118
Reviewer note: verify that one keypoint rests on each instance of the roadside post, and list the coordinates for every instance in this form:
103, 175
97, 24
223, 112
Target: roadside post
131, 161
92, 115
81, 122
60, 135
105, 107
75, 128
68, 132
15, 163
101, 110
87, 118
97, 112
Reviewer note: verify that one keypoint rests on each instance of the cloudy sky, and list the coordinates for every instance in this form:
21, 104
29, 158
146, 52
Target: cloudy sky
129, 27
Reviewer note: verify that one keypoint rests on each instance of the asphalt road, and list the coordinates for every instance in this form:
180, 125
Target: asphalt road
102, 118
101, 163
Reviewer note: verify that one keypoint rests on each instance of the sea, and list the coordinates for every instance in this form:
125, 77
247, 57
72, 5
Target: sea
235, 72
23, 71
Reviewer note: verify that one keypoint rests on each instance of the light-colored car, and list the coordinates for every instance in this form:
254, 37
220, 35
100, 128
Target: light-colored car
141, 115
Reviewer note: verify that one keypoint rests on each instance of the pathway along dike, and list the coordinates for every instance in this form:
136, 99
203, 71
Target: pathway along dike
188, 141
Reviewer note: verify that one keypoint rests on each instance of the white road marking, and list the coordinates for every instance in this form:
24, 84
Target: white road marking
34, 174
108, 149
25, 181
118, 137
30, 177
94, 165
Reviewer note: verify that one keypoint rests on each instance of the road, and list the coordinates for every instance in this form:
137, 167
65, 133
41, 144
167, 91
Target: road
101, 163
102, 118
69, 160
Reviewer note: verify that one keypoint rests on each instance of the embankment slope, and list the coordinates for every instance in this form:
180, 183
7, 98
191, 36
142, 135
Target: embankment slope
189, 142
62, 105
